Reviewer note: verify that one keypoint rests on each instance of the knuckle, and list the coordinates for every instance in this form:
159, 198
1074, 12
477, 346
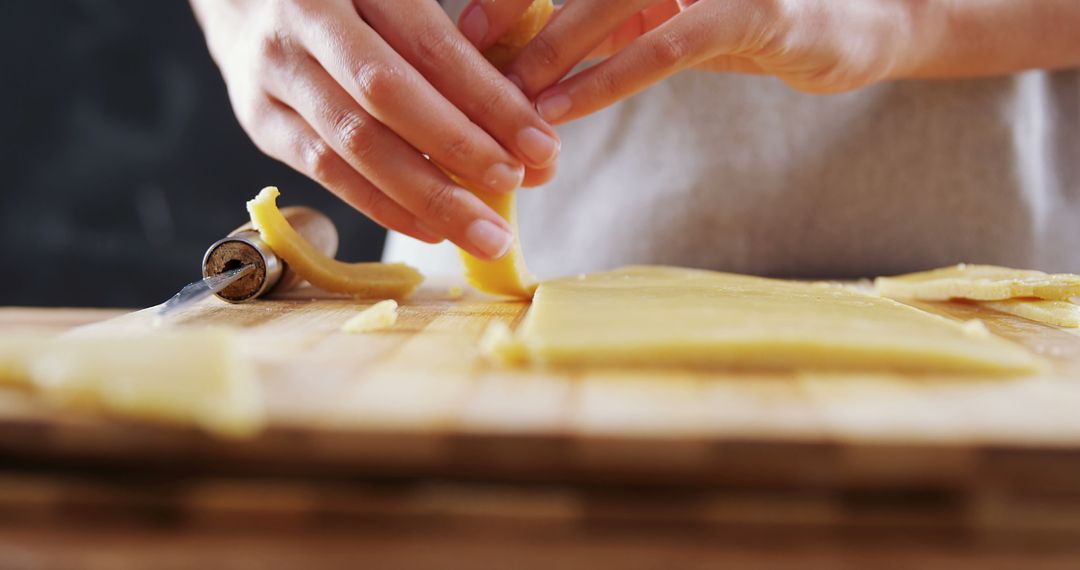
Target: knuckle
543, 50
355, 133
439, 201
434, 45
772, 33
670, 49
320, 160
490, 103
606, 84
378, 83
458, 147
271, 46
374, 204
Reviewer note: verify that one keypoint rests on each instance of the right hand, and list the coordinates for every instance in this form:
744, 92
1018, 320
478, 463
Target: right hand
354, 93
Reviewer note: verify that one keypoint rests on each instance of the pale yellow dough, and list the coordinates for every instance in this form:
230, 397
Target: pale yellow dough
507, 276
1057, 313
659, 316
380, 316
368, 280
193, 377
979, 283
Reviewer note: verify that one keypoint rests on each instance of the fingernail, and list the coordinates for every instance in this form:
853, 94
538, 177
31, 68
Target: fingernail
489, 238
474, 25
503, 177
516, 81
554, 107
538, 146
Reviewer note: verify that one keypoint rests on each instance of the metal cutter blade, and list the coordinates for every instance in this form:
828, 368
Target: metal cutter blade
202, 289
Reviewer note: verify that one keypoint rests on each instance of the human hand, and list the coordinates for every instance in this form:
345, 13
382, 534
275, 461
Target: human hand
820, 46
355, 93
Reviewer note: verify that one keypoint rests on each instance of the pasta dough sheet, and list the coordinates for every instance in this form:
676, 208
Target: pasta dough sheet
979, 283
193, 377
660, 316
1057, 313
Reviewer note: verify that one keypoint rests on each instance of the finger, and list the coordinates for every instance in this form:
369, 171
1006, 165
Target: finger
284, 135
391, 164
633, 28
427, 39
485, 21
393, 92
537, 177
569, 37
679, 43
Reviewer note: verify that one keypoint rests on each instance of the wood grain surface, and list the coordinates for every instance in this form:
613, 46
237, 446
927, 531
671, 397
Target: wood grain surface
356, 419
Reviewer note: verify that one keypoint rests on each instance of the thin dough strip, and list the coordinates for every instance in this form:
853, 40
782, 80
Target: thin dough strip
979, 283
507, 276
366, 280
1056, 313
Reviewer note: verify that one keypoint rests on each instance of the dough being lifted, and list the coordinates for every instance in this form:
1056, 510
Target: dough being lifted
979, 283
507, 276
660, 316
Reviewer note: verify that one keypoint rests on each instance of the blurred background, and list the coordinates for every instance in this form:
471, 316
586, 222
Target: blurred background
121, 156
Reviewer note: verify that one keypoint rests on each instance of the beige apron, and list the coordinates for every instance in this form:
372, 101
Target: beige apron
744, 174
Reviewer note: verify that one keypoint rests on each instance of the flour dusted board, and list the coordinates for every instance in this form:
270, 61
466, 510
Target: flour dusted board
418, 399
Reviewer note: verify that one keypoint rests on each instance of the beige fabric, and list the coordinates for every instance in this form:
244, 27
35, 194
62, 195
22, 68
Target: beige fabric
744, 174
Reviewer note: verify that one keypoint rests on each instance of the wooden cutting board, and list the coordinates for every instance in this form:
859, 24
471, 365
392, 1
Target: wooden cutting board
418, 401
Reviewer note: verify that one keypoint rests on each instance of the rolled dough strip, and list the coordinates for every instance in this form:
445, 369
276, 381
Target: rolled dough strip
367, 280
979, 283
508, 275
197, 377
1056, 313
659, 316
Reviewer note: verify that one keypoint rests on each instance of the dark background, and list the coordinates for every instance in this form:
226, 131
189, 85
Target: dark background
121, 158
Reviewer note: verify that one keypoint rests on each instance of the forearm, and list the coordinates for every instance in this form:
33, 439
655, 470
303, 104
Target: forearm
972, 38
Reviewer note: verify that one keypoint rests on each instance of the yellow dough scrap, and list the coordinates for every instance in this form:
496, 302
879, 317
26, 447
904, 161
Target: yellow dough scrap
508, 275
368, 280
660, 316
979, 283
380, 316
189, 377
1056, 313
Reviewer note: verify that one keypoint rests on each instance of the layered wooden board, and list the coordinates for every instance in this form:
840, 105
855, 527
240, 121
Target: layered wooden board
419, 400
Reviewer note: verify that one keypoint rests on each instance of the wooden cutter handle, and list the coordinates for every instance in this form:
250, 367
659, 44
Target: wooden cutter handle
313, 226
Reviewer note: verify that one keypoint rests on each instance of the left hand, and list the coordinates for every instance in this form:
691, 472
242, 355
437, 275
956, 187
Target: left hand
819, 46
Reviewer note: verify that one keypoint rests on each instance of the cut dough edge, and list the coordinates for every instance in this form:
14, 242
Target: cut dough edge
1063, 314
979, 283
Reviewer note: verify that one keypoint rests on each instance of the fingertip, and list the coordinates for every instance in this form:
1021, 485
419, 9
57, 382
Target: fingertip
554, 105
539, 176
538, 147
488, 239
502, 178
